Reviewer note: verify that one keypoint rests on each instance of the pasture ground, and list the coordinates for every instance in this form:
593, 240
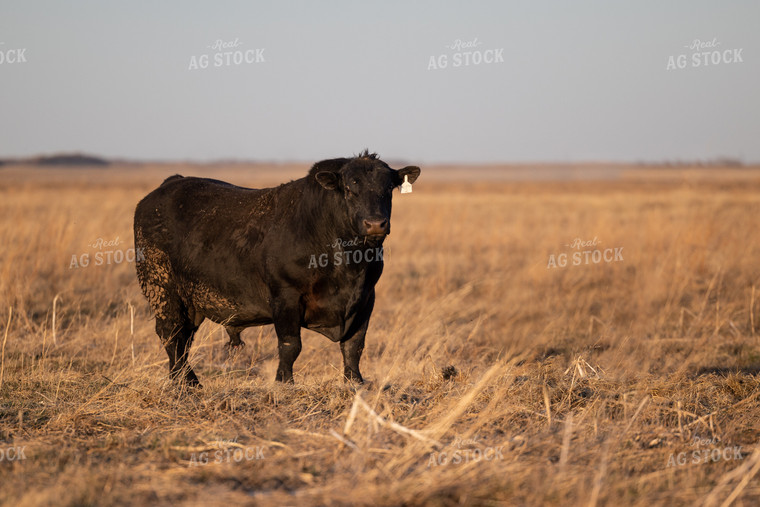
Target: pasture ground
493, 379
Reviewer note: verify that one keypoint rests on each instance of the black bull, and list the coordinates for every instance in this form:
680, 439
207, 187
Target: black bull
244, 257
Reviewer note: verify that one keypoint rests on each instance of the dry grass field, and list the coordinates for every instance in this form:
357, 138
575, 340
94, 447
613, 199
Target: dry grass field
493, 379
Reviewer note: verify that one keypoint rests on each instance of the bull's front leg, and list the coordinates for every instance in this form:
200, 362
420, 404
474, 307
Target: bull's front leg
352, 345
287, 325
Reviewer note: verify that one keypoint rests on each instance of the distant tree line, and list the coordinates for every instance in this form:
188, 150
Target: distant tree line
60, 159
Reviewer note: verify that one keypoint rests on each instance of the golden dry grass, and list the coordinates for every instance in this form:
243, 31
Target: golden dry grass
579, 383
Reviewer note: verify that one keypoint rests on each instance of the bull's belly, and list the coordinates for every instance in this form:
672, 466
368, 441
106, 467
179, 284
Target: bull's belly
330, 318
332, 326
236, 317
334, 333
225, 309
333, 323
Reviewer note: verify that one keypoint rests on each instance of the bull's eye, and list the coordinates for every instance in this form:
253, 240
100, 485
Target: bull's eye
349, 191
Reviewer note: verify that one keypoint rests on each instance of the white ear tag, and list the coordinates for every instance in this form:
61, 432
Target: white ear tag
406, 187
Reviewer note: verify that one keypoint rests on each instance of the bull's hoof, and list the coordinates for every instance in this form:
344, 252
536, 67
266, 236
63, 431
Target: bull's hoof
354, 378
190, 379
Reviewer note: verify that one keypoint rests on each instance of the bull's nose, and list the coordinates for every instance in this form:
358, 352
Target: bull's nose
376, 227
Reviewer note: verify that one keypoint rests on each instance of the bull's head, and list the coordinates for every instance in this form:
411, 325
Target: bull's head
366, 185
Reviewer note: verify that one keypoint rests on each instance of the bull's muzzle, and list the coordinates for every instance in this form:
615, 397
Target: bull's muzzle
376, 227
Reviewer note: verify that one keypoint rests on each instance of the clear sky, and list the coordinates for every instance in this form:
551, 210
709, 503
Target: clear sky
567, 80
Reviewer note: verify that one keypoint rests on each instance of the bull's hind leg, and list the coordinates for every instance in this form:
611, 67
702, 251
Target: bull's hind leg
174, 326
235, 340
177, 336
287, 325
235, 344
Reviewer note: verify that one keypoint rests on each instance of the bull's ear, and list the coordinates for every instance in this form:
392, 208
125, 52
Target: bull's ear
411, 172
327, 179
